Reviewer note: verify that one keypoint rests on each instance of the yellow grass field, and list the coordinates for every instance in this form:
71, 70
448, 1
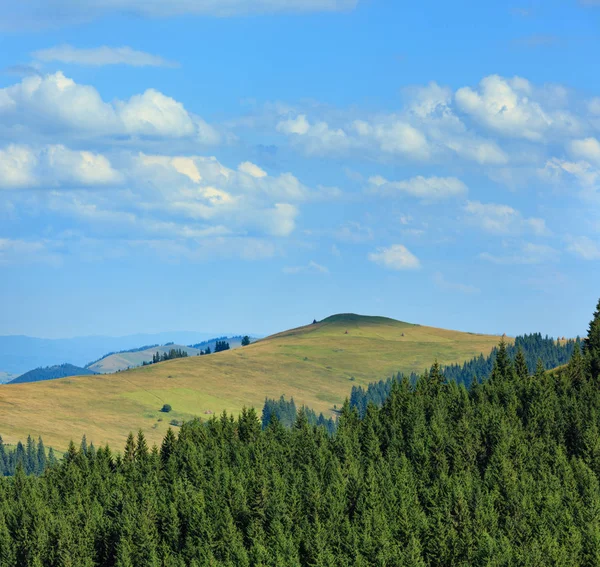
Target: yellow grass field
314, 364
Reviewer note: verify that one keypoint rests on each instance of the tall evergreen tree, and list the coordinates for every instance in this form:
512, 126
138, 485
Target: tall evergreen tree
592, 343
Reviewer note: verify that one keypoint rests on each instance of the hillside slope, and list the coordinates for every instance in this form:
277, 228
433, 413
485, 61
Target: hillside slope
124, 360
314, 364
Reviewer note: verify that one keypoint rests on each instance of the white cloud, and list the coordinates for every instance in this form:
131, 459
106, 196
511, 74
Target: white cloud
55, 103
185, 197
508, 106
252, 169
395, 257
53, 165
311, 268
585, 176
586, 149
502, 219
442, 283
427, 129
527, 254
99, 56
394, 136
594, 106
298, 125
316, 138
427, 189
17, 165
584, 247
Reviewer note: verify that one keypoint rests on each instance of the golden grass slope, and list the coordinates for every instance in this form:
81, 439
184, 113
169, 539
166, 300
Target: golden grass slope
314, 364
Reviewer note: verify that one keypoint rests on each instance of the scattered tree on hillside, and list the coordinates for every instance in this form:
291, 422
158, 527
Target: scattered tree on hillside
245, 340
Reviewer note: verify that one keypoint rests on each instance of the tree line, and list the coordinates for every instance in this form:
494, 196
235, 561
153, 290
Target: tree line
286, 413
31, 457
168, 355
497, 473
535, 347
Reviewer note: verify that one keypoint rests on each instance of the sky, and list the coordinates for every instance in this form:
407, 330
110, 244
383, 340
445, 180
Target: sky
247, 166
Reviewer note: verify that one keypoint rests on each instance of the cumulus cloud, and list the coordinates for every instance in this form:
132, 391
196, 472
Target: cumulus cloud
54, 165
100, 56
427, 189
427, 129
316, 138
584, 247
394, 136
55, 103
508, 106
252, 169
396, 257
51, 13
503, 219
586, 149
584, 176
311, 268
150, 196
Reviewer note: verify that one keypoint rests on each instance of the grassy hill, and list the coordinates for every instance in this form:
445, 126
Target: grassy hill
131, 359
314, 364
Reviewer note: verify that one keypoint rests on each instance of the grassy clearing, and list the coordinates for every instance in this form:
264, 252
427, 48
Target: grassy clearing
314, 364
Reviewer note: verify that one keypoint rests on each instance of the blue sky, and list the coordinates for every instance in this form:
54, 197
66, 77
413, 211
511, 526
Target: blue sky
242, 166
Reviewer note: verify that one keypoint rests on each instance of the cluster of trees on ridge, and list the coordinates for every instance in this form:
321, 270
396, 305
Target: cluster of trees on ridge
52, 373
170, 355
502, 472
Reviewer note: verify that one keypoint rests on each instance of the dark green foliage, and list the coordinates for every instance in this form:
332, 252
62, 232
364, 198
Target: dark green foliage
51, 373
534, 347
592, 344
245, 340
166, 408
220, 346
286, 414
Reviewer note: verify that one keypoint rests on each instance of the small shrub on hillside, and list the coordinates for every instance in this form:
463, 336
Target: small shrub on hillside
166, 408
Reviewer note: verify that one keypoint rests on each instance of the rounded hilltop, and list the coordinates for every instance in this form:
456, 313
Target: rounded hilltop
342, 318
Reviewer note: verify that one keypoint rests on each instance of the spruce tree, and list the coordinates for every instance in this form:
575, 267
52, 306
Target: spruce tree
41, 457
592, 343
521, 364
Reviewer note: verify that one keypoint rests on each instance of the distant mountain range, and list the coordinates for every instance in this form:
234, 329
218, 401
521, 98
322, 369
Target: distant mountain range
19, 354
114, 362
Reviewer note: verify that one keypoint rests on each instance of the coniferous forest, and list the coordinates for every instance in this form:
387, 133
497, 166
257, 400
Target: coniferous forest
503, 472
